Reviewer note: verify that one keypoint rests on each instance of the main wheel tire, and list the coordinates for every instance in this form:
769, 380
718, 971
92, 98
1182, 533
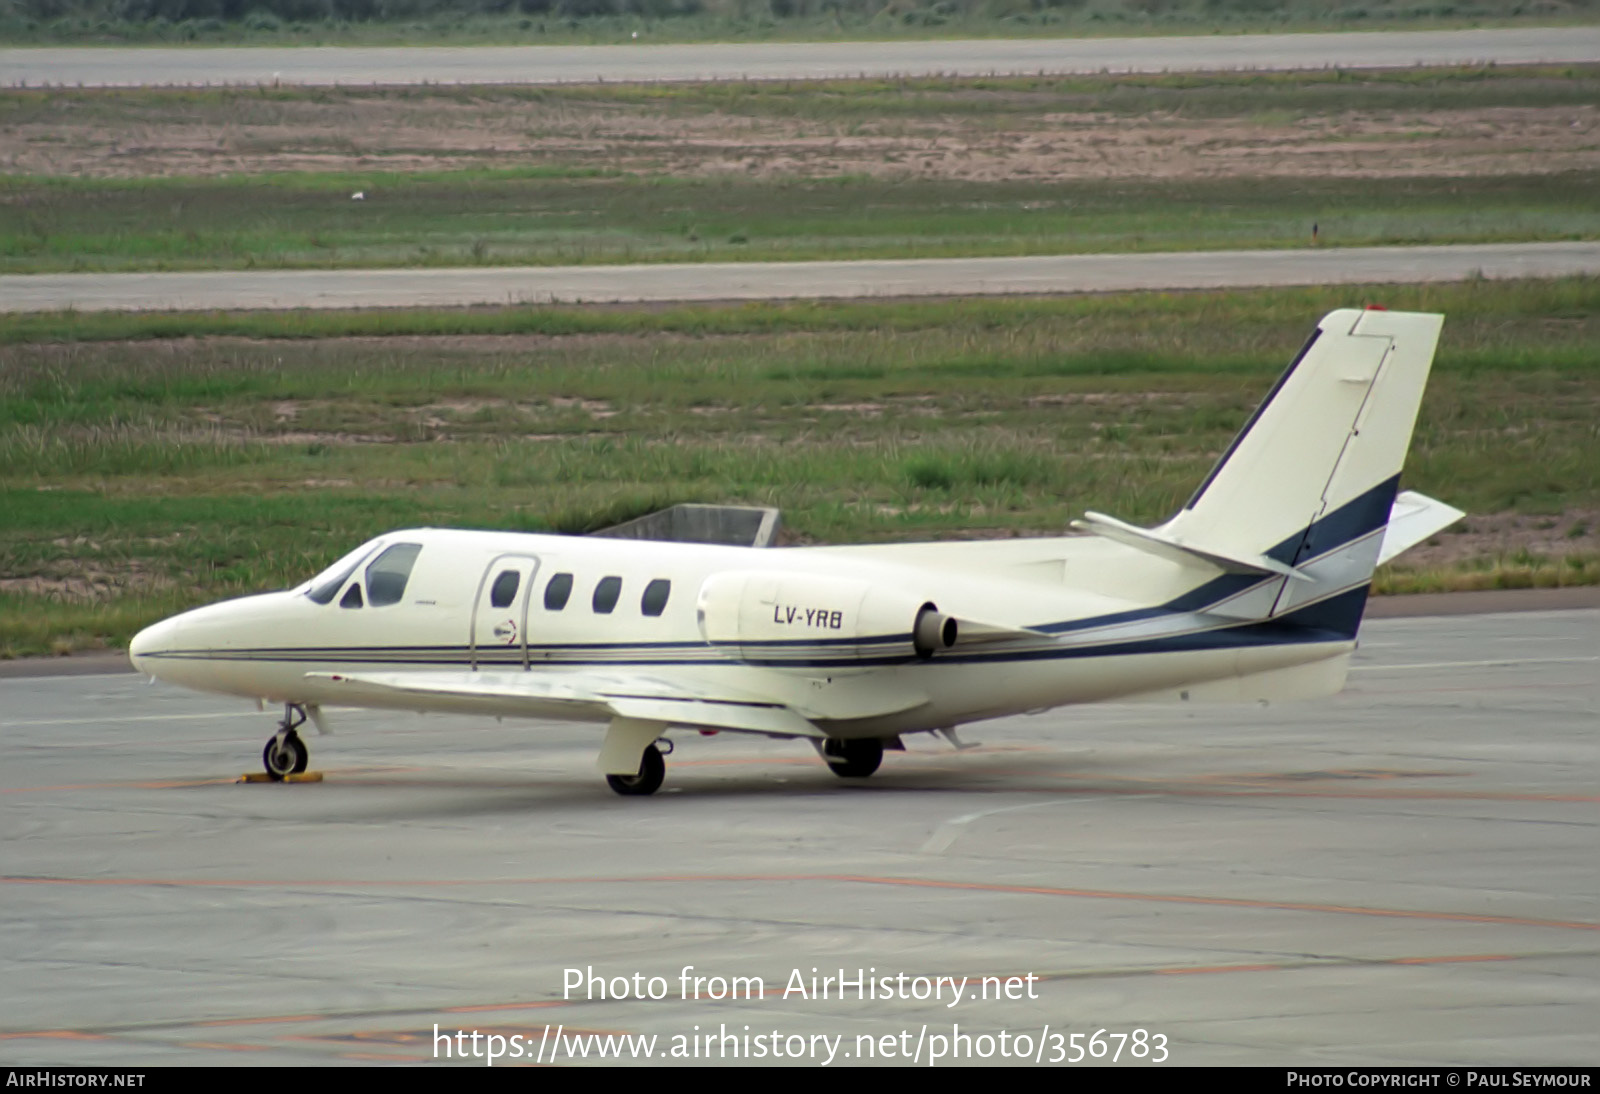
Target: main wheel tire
286, 757
853, 759
652, 770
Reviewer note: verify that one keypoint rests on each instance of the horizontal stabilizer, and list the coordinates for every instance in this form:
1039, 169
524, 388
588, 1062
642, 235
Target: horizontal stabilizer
1185, 554
1413, 519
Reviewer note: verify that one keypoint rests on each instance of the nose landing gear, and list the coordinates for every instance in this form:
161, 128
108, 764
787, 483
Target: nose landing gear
286, 754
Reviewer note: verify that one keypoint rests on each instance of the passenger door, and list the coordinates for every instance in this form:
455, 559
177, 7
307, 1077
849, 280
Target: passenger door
500, 614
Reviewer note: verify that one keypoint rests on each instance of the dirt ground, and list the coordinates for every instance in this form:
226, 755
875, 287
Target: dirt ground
85, 138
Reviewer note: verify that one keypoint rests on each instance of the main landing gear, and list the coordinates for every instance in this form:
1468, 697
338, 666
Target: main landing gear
652, 770
286, 754
853, 759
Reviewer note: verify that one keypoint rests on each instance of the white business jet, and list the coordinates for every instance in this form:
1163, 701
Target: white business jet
1253, 590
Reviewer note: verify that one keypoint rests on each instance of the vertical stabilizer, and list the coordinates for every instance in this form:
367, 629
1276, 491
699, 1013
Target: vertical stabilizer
1316, 467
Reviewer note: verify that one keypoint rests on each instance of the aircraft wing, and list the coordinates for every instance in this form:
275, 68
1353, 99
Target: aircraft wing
588, 695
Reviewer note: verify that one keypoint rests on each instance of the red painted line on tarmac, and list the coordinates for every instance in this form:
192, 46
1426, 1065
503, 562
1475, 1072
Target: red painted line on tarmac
1360, 795
1223, 902
1336, 963
1471, 689
180, 784
260, 1021
381, 1056
850, 879
280, 1019
172, 784
413, 1036
1137, 788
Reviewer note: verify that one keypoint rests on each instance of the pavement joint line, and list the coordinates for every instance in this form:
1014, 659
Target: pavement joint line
117, 718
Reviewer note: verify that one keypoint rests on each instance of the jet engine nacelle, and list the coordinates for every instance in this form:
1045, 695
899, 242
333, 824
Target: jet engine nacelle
788, 618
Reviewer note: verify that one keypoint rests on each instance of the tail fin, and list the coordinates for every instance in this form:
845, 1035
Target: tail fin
1329, 440
1306, 489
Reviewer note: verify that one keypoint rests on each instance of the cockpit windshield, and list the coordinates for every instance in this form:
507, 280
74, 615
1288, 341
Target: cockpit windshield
326, 585
389, 572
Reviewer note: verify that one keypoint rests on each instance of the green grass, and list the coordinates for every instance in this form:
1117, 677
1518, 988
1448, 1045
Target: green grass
1284, 96
873, 100
140, 476
495, 219
273, 22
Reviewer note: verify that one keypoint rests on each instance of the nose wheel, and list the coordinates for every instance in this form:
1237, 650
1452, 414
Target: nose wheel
286, 754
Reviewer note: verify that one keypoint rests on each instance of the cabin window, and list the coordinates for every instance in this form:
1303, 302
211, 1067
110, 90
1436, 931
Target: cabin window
557, 592
352, 596
326, 585
389, 572
606, 593
504, 590
654, 601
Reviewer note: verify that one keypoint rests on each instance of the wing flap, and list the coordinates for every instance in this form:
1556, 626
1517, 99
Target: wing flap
774, 721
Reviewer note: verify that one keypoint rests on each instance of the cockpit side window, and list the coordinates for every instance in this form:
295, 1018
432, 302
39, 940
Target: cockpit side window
326, 585
352, 596
389, 572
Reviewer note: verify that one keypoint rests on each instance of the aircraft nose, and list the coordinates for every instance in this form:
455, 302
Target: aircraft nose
147, 645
